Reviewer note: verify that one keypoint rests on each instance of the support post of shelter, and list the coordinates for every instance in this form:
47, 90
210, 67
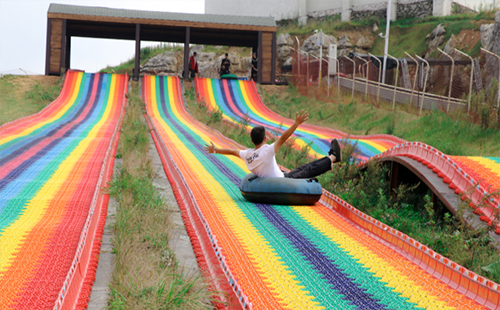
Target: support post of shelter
47, 49
137, 51
259, 65
67, 61
63, 67
273, 60
186, 53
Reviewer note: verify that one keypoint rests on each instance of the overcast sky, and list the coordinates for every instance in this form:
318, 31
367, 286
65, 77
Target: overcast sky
23, 32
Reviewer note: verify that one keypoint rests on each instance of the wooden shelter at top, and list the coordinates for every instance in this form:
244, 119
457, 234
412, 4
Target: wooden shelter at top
66, 21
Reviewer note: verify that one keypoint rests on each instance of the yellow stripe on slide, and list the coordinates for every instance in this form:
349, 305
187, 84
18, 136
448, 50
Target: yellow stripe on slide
50, 120
376, 265
283, 285
12, 236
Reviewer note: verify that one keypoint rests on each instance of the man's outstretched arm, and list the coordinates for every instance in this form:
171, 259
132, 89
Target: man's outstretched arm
299, 119
213, 150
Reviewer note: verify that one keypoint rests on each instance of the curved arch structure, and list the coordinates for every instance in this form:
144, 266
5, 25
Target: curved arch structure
468, 177
325, 256
53, 166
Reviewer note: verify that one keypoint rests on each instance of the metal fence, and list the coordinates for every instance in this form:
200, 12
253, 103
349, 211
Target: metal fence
454, 83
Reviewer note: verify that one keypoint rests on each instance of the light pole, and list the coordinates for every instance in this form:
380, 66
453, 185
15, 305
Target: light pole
386, 47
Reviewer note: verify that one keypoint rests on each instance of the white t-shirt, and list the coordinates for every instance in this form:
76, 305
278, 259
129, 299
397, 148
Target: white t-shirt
262, 162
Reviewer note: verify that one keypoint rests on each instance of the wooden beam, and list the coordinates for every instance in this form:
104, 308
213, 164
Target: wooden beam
186, 53
161, 22
67, 63
47, 49
259, 64
63, 48
273, 60
55, 46
137, 51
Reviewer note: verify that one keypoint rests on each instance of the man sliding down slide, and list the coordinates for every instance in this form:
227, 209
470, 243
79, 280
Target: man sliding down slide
261, 160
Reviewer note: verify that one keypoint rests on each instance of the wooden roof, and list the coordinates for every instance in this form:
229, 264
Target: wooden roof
102, 14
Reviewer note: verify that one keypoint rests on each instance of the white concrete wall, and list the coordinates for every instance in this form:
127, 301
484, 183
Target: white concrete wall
291, 9
279, 9
322, 5
441, 8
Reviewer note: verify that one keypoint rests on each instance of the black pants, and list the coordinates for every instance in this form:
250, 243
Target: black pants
311, 170
192, 73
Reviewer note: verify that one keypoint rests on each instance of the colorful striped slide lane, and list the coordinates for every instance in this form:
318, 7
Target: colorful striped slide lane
485, 170
280, 257
51, 170
240, 100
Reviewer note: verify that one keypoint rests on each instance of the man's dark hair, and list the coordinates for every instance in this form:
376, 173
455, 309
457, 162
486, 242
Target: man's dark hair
227, 54
257, 134
194, 53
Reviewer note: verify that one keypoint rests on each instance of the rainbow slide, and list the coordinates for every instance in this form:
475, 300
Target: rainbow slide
53, 165
240, 100
325, 256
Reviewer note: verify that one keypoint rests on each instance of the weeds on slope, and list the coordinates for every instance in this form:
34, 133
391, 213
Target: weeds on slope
146, 274
453, 136
25, 95
408, 208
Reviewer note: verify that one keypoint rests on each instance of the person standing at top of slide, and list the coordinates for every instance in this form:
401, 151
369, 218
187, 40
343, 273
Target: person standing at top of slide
226, 63
255, 65
193, 66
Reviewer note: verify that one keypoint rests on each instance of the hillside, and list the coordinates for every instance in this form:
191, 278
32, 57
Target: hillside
414, 36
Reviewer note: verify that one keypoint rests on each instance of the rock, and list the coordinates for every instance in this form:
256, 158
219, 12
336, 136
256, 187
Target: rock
245, 63
342, 52
283, 52
449, 48
364, 43
288, 61
234, 58
196, 48
435, 39
486, 31
206, 69
284, 39
344, 41
494, 45
374, 28
490, 35
202, 57
310, 45
166, 62
437, 32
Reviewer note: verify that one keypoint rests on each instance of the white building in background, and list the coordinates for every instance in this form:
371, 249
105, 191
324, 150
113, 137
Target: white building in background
302, 9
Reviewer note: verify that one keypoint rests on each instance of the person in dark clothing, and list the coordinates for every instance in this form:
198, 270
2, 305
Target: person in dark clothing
255, 64
226, 62
193, 66
224, 70
261, 159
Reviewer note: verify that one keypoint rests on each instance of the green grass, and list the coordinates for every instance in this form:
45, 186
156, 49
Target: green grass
406, 35
146, 274
453, 135
25, 95
408, 208
410, 34
329, 24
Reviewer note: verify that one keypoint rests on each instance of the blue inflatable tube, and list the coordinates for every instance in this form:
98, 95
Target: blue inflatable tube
280, 191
